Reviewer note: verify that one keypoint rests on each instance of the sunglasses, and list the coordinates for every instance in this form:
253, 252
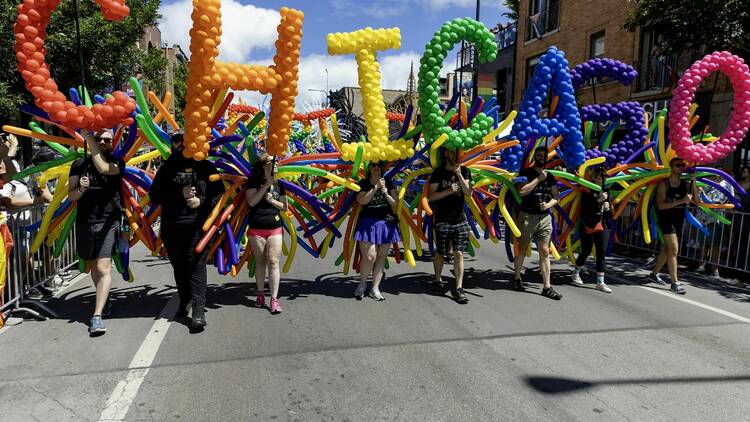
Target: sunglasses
105, 140
679, 166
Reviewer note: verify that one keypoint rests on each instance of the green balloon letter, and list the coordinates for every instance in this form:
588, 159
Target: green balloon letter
433, 122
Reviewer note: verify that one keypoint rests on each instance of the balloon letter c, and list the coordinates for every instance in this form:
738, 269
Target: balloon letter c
31, 32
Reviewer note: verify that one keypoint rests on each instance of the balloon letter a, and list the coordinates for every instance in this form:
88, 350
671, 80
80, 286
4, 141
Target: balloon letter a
206, 76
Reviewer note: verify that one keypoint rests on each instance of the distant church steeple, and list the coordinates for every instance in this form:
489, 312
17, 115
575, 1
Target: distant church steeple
411, 87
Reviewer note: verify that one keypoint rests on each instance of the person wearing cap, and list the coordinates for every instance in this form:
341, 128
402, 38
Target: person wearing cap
449, 184
94, 184
183, 189
539, 194
377, 227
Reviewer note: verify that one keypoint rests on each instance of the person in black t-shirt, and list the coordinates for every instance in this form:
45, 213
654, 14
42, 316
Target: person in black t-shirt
376, 228
672, 198
593, 231
448, 186
186, 195
267, 200
538, 194
95, 182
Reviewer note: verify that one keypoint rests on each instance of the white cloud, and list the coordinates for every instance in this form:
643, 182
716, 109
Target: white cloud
342, 71
245, 28
442, 4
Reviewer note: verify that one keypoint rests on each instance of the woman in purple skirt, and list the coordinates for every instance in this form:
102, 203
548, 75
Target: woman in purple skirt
377, 228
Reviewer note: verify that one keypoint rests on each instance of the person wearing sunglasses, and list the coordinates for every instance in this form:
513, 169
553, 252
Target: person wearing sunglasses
376, 228
539, 194
267, 200
672, 198
186, 195
94, 184
449, 184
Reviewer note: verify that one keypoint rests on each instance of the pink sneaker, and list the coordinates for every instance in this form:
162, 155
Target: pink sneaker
275, 306
260, 300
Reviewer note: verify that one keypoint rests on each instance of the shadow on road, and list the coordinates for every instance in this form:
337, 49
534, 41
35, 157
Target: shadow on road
127, 302
560, 385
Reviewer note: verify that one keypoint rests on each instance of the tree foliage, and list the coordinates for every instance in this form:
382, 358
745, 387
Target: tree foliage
683, 25
513, 6
180, 90
110, 52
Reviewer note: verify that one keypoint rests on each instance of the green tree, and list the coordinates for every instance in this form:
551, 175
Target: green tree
713, 24
110, 52
153, 64
512, 13
180, 90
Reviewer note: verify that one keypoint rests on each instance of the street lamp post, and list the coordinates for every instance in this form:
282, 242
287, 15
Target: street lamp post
475, 71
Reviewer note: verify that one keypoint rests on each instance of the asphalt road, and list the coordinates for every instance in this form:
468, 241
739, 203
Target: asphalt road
637, 354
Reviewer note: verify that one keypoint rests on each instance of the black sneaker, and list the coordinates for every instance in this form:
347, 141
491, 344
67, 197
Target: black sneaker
438, 286
198, 317
518, 285
459, 296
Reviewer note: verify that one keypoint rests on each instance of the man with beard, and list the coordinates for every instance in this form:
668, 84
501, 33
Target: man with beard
186, 195
448, 186
95, 182
538, 193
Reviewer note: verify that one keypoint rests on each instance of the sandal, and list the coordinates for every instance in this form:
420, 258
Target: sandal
551, 293
518, 285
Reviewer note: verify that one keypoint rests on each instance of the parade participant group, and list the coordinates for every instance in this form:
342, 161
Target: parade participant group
242, 186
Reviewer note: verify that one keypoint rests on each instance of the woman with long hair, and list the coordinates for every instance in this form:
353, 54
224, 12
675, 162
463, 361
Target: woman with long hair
376, 229
267, 200
594, 231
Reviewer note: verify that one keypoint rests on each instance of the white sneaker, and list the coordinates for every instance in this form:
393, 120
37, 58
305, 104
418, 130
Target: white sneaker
603, 288
360, 292
575, 278
375, 294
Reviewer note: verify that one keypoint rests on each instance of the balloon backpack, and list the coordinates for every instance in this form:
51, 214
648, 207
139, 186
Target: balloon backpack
321, 161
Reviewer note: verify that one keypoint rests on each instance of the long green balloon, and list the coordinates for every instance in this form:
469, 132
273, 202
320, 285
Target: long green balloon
44, 166
54, 145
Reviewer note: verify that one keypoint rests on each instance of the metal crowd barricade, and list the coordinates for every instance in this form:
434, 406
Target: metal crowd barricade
732, 240
26, 271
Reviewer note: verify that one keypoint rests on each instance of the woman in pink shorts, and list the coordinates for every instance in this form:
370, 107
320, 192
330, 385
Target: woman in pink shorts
267, 200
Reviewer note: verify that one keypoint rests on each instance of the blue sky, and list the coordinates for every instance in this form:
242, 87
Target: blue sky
249, 33
418, 20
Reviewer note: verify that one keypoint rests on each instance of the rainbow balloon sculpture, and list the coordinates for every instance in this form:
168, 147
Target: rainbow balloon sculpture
320, 164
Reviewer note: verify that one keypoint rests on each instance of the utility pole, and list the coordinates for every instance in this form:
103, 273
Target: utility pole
475, 70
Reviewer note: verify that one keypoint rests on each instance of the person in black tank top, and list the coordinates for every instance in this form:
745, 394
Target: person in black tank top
267, 201
672, 199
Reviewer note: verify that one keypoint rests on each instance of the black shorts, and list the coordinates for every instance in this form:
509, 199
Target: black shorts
96, 240
451, 234
670, 224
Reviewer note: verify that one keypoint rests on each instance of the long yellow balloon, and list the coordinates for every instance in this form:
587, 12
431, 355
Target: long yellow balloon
143, 158
506, 215
434, 149
644, 214
61, 191
293, 242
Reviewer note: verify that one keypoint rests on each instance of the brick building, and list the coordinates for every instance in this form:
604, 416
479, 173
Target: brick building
586, 29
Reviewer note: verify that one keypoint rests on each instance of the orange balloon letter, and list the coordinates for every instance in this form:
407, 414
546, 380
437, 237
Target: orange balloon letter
31, 32
207, 76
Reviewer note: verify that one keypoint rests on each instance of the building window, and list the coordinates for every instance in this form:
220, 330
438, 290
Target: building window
596, 46
530, 66
544, 17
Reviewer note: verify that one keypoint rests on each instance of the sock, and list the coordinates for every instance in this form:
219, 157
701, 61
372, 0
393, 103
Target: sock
600, 279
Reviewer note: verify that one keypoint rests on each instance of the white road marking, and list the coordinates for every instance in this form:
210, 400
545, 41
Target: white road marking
686, 300
124, 393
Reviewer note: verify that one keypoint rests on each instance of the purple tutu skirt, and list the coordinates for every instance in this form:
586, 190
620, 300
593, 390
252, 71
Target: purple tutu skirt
376, 231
